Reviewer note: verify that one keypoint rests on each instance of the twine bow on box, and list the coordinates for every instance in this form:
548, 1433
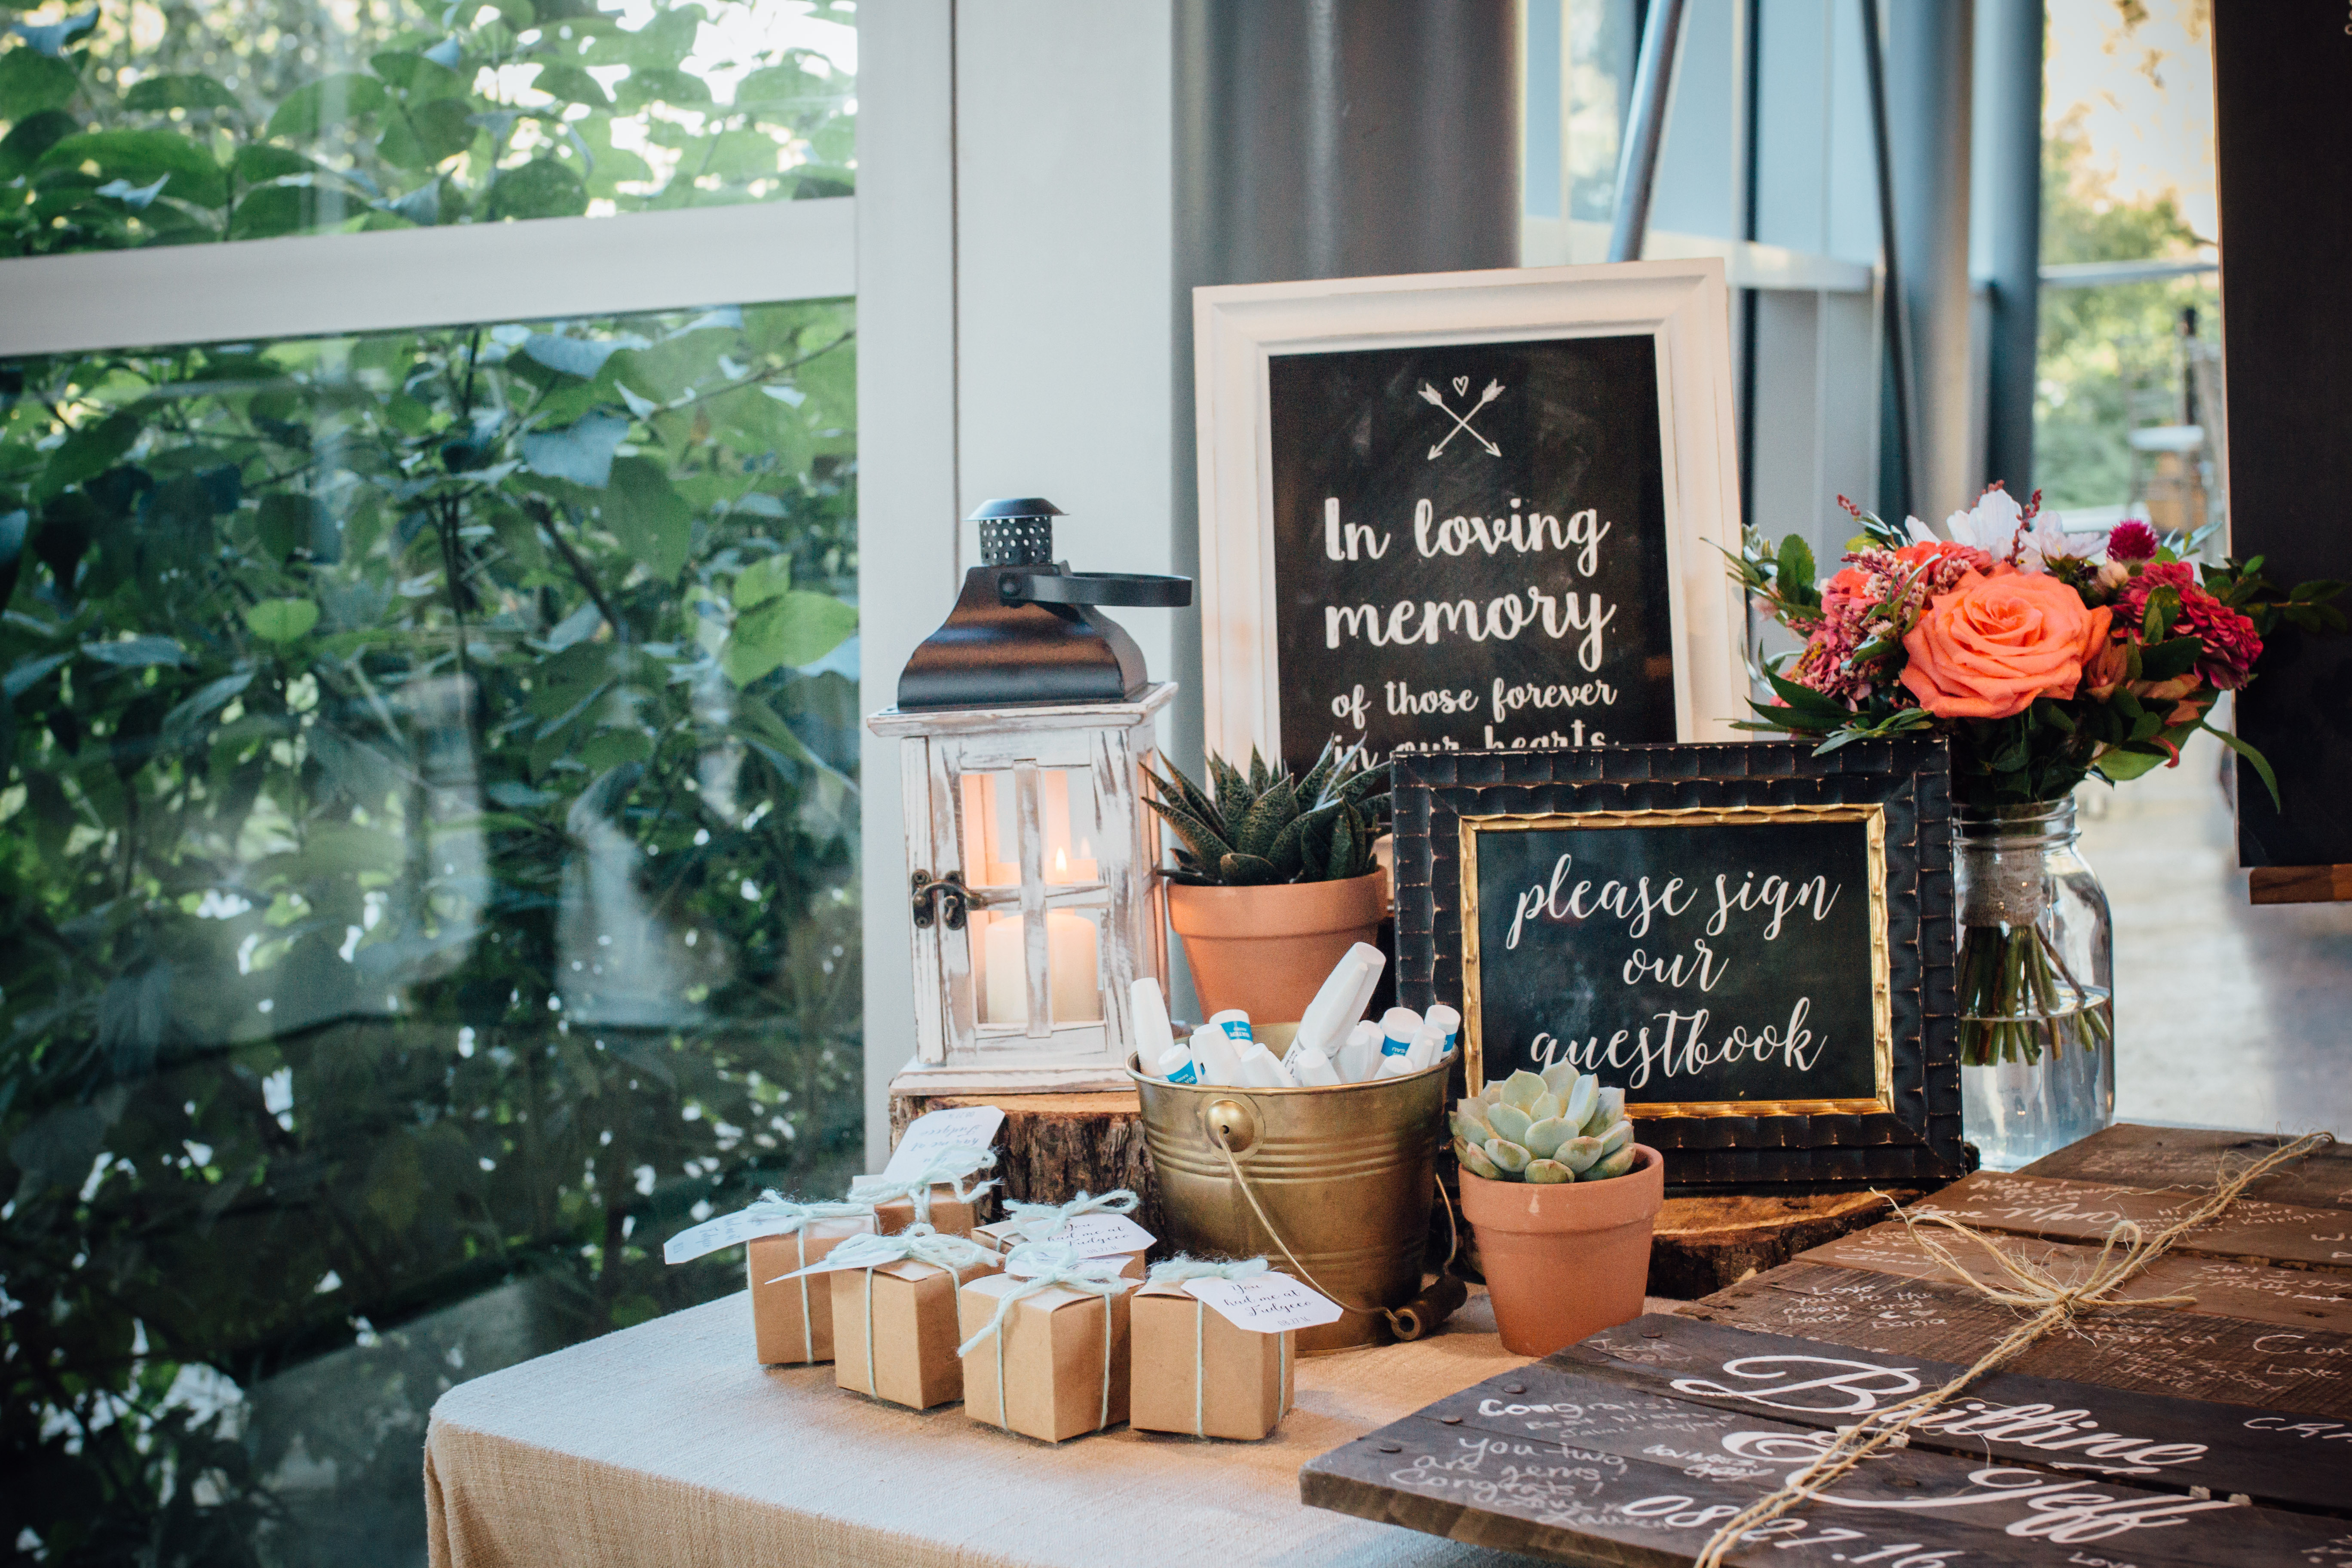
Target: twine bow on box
1178, 1269
947, 1168
1036, 1222
918, 1243
2031, 1287
1047, 1264
792, 1218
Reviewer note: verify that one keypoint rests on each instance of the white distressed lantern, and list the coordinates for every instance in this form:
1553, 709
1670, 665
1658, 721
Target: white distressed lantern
1024, 726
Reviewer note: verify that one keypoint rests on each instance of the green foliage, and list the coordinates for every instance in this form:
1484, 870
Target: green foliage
420, 901
2107, 353
1266, 827
249, 121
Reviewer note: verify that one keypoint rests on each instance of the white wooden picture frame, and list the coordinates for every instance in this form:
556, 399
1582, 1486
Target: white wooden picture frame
1683, 306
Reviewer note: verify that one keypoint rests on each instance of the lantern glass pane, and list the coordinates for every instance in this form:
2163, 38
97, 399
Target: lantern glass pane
1067, 829
1074, 967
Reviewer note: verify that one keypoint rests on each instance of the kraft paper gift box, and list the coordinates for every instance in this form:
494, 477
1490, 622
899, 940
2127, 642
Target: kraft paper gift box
1006, 1234
1060, 1378
913, 1360
792, 1319
950, 1215
1197, 1371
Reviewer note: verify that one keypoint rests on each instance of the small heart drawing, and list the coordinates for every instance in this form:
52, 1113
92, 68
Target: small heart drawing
1460, 384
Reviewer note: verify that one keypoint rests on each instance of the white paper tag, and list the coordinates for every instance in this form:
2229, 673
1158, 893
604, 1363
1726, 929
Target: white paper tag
1102, 1234
928, 1134
727, 1230
1267, 1303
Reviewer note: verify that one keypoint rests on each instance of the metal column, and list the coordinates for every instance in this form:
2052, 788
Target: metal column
2010, 59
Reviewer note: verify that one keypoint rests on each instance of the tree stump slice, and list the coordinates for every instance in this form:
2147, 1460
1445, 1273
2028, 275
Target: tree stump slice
1701, 1244
1052, 1147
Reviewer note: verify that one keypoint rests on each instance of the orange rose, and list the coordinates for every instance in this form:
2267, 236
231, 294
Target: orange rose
1999, 640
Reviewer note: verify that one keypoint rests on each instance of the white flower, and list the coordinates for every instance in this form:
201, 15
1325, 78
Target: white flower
2048, 541
1990, 527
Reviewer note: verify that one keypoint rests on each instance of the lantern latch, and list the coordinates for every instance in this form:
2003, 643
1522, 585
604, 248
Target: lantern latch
951, 895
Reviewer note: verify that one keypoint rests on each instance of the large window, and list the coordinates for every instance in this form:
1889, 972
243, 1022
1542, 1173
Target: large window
428, 847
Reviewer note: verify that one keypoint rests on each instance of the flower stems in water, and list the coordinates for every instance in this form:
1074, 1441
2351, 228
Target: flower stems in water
2017, 999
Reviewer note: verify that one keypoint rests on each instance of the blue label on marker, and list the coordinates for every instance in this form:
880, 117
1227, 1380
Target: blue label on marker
1392, 1047
1188, 1073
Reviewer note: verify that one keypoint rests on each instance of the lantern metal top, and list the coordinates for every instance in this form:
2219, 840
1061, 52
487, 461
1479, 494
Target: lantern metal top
1016, 530
1026, 629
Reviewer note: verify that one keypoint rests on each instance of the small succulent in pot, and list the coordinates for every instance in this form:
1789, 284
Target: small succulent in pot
1265, 828
1550, 1126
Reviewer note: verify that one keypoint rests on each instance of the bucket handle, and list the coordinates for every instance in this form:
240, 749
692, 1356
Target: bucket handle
1409, 1323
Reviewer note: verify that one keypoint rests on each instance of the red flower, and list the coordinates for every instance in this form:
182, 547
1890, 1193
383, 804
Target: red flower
2226, 661
2131, 539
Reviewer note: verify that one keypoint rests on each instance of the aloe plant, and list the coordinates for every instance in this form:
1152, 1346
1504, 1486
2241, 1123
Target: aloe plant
1550, 1126
1266, 826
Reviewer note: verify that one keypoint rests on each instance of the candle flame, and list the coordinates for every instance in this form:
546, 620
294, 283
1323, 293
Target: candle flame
1061, 862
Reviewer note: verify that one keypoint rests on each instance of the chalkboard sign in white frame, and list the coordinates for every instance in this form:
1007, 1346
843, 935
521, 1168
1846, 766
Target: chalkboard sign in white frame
1869, 817
1682, 307
1773, 1140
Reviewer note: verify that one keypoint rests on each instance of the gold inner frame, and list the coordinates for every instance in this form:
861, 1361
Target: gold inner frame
1882, 999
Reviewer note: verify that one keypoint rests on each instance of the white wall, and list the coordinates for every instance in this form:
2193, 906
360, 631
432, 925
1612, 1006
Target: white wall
1014, 252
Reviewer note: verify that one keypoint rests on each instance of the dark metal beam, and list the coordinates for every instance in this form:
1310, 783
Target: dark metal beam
2010, 36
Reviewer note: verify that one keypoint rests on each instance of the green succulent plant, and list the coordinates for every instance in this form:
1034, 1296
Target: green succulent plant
1266, 826
1550, 1126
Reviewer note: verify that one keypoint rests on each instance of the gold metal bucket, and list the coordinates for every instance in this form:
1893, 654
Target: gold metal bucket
1332, 1184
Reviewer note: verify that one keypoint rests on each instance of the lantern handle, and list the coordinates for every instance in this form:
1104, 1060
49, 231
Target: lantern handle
949, 890
1125, 588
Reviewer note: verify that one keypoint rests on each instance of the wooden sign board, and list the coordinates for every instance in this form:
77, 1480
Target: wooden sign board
2150, 1350
2197, 1157
2185, 1446
1467, 511
1752, 941
2217, 1287
1579, 1468
2284, 1234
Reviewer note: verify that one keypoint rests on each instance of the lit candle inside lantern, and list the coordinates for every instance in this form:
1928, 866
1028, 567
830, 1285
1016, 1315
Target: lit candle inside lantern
1054, 803
1071, 968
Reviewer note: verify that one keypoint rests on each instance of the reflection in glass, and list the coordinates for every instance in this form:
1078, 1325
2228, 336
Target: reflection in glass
188, 120
428, 849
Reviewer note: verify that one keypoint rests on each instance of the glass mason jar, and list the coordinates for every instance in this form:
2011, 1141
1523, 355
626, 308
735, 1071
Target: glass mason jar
2036, 981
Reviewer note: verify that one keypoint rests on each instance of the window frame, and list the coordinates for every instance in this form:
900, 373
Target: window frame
455, 274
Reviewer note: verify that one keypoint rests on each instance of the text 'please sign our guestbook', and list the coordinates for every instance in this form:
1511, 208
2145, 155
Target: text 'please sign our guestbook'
1739, 936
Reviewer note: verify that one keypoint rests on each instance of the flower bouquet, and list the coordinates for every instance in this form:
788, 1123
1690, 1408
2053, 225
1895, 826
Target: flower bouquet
2046, 657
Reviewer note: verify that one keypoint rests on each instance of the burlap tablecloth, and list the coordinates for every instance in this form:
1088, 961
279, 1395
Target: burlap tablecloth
665, 1444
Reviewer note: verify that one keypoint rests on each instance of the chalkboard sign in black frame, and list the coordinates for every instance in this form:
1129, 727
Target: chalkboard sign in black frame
1916, 1138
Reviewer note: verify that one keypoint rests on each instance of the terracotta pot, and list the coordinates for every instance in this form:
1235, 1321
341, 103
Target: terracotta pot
1567, 1261
1266, 950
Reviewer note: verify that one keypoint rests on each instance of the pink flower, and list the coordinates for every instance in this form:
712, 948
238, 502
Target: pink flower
2131, 539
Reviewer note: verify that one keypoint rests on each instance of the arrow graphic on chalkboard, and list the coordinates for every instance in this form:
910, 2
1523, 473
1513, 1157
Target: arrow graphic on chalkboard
1430, 394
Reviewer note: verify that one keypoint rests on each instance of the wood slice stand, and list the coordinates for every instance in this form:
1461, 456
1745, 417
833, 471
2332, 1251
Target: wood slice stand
1055, 1146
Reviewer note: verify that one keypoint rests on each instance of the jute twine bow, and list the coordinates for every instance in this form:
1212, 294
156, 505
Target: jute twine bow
1035, 1222
918, 1243
947, 1168
794, 1218
1178, 1269
1055, 1263
2123, 1256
